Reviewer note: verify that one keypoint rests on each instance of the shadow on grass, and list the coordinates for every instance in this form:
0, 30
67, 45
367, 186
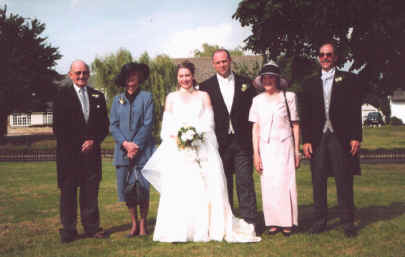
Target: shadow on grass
364, 216
127, 227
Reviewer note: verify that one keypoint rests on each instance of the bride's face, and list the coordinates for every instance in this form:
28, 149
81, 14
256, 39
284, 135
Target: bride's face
185, 78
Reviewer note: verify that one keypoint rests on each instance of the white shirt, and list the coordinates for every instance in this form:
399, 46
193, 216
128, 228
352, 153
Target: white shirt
327, 82
227, 88
85, 112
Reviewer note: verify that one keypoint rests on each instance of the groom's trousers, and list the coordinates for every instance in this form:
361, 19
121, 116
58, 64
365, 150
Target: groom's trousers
239, 161
330, 156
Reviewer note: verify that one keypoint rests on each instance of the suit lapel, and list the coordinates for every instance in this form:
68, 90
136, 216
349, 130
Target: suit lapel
333, 93
319, 91
236, 95
76, 103
218, 94
92, 103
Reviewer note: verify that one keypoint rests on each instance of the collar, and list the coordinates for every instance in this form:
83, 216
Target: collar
132, 97
228, 79
77, 89
329, 73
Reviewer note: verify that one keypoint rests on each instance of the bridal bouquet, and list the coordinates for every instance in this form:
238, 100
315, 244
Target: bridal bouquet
189, 138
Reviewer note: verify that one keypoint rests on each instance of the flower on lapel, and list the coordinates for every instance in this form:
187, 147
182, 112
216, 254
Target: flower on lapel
122, 100
338, 79
98, 106
244, 87
95, 95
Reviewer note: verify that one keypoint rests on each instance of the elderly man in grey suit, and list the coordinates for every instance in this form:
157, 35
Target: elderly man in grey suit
80, 125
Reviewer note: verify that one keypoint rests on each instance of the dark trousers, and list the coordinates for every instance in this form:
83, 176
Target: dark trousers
88, 198
330, 156
240, 161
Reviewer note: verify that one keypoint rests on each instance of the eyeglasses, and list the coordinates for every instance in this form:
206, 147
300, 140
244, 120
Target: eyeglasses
78, 73
320, 55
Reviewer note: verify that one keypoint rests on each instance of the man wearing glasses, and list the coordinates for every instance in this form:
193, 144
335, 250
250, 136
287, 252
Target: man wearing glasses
80, 125
331, 133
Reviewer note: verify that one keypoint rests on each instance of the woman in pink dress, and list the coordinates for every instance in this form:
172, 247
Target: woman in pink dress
275, 146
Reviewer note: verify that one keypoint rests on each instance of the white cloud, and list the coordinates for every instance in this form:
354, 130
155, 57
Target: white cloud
183, 43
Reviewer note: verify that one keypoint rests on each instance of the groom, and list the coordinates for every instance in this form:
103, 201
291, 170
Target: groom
231, 96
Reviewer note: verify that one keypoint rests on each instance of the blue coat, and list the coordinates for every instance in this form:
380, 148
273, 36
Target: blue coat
137, 129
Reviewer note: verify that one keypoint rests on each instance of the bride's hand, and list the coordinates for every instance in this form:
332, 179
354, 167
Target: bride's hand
257, 160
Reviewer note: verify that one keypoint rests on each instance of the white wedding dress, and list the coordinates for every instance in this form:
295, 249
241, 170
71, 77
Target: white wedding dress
193, 202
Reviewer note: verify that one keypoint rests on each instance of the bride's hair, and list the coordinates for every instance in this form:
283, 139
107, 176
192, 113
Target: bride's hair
186, 65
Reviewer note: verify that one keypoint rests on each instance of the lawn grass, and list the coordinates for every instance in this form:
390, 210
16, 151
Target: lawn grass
386, 137
29, 219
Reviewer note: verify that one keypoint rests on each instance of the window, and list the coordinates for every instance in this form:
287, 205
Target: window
21, 120
48, 118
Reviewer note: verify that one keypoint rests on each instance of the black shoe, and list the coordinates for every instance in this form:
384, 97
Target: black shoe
67, 237
100, 234
130, 235
350, 231
273, 232
317, 228
288, 232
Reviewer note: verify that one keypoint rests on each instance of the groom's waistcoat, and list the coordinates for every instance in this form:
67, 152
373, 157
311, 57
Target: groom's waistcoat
242, 100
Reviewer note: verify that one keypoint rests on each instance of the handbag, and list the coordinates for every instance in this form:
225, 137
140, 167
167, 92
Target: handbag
134, 192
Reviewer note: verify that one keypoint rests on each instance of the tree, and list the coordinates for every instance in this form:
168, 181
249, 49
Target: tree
370, 34
27, 64
162, 78
208, 50
105, 70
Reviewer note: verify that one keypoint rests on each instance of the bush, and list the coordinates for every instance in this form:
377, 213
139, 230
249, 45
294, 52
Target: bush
396, 121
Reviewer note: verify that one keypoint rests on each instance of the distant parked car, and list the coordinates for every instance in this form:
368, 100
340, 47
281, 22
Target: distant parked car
374, 119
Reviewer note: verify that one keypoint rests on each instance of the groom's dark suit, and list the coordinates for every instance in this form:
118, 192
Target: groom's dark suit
331, 151
236, 149
76, 168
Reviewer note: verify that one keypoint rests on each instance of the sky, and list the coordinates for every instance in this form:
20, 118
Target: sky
86, 29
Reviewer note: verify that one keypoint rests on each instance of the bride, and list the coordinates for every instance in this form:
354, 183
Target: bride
193, 202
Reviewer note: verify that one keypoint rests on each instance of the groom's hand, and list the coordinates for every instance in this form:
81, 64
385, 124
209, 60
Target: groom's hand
87, 145
307, 147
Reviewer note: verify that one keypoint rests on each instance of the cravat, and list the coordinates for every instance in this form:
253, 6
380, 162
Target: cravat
85, 104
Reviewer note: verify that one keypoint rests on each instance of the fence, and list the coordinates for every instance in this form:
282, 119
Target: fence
379, 155
40, 155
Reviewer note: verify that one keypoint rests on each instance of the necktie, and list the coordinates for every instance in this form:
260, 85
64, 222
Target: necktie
85, 104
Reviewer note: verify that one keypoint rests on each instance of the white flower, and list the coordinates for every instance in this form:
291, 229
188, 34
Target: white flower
244, 87
338, 79
190, 134
184, 137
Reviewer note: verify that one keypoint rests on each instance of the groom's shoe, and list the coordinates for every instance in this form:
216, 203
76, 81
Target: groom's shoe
67, 237
100, 234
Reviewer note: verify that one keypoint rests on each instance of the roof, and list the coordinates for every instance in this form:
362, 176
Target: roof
204, 68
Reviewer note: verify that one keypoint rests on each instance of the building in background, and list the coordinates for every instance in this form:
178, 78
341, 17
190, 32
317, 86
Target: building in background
397, 103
